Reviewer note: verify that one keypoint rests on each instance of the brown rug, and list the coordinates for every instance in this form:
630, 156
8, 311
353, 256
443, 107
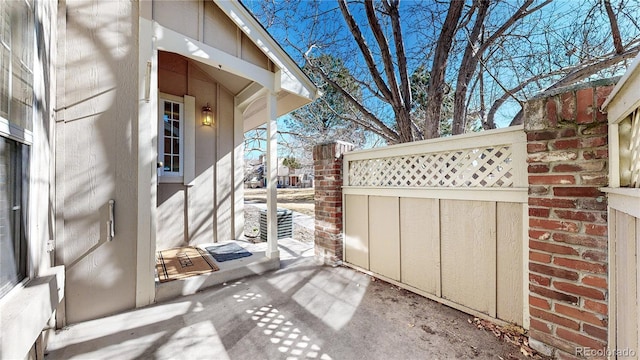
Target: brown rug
183, 262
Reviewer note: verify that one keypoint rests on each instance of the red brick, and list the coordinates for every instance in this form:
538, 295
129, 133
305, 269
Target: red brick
579, 290
580, 315
584, 106
602, 92
544, 315
579, 339
592, 129
553, 271
539, 212
583, 240
595, 154
540, 325
554, 341
536, 147
539, 303
577, 191
567, 132
594, 255
596, 332
565, 144
552, 179
552, 112
599, 203
580, 265
595, 281
555, 203
552, 248
553, 225
580, 215
538, 190
595, 229
538, 168
568, 106
552, 294
592, 142
567, 168
595, 165
542, 135
539, 257
599, 179
539, 279
539, 235
552, 156
596, 306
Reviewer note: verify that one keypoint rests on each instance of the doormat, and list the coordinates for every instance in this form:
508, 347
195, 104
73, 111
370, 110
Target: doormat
226, 252
183, 262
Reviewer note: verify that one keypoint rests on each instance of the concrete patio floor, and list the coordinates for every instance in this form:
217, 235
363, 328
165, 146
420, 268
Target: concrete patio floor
301, 311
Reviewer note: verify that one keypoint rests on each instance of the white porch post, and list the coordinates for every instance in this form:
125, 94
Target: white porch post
147, 132
272, 177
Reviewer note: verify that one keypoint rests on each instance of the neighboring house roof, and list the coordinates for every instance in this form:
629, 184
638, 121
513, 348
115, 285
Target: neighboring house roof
296, 89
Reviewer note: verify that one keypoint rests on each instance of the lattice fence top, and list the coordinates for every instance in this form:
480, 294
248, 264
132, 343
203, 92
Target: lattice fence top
479, 167
630, 150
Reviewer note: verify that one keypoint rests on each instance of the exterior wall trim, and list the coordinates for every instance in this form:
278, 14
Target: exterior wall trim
169, 40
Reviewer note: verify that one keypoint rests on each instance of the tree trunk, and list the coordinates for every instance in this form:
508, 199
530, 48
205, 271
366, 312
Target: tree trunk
468, 67
435, 90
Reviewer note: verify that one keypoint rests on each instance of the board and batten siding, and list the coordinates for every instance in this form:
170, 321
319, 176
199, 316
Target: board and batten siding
204, 21
443, 219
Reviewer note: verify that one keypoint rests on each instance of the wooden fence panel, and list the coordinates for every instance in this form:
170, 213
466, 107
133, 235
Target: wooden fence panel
384, 236
468, 248
510, 278
626, 290
356, 231
420, 243
443, 218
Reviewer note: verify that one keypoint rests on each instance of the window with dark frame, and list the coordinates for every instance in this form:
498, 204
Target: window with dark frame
171, 145
14, 181
17, 36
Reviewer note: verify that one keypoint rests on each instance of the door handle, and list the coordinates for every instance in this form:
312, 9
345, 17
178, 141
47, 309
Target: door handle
111, 224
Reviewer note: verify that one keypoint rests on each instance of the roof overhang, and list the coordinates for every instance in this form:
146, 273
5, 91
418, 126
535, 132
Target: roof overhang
293, 86
619, 107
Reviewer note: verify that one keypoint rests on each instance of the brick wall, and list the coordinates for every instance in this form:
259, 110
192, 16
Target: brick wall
567, 164
327, 159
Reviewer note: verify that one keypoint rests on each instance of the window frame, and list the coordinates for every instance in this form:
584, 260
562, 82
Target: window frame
21, 136
163, 175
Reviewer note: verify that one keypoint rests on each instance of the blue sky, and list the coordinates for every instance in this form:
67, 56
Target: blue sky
298, 32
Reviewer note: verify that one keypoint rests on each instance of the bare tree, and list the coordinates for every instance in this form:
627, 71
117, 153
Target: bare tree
492, 55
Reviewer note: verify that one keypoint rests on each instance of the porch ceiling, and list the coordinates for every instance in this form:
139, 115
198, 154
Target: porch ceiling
252, 96
234, 83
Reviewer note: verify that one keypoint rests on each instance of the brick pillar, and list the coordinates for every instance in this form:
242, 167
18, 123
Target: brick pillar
327, 159
567, 156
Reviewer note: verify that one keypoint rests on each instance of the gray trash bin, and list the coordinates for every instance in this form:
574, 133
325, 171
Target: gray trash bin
285, 224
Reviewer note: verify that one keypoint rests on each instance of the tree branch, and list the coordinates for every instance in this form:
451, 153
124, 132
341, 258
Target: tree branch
388, 132
519, 14
385, 52
364, 49
401, 53
615, 31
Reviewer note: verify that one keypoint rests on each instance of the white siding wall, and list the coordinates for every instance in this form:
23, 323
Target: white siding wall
96, 155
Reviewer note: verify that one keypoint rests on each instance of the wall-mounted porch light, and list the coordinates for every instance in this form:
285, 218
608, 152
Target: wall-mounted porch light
207, 115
